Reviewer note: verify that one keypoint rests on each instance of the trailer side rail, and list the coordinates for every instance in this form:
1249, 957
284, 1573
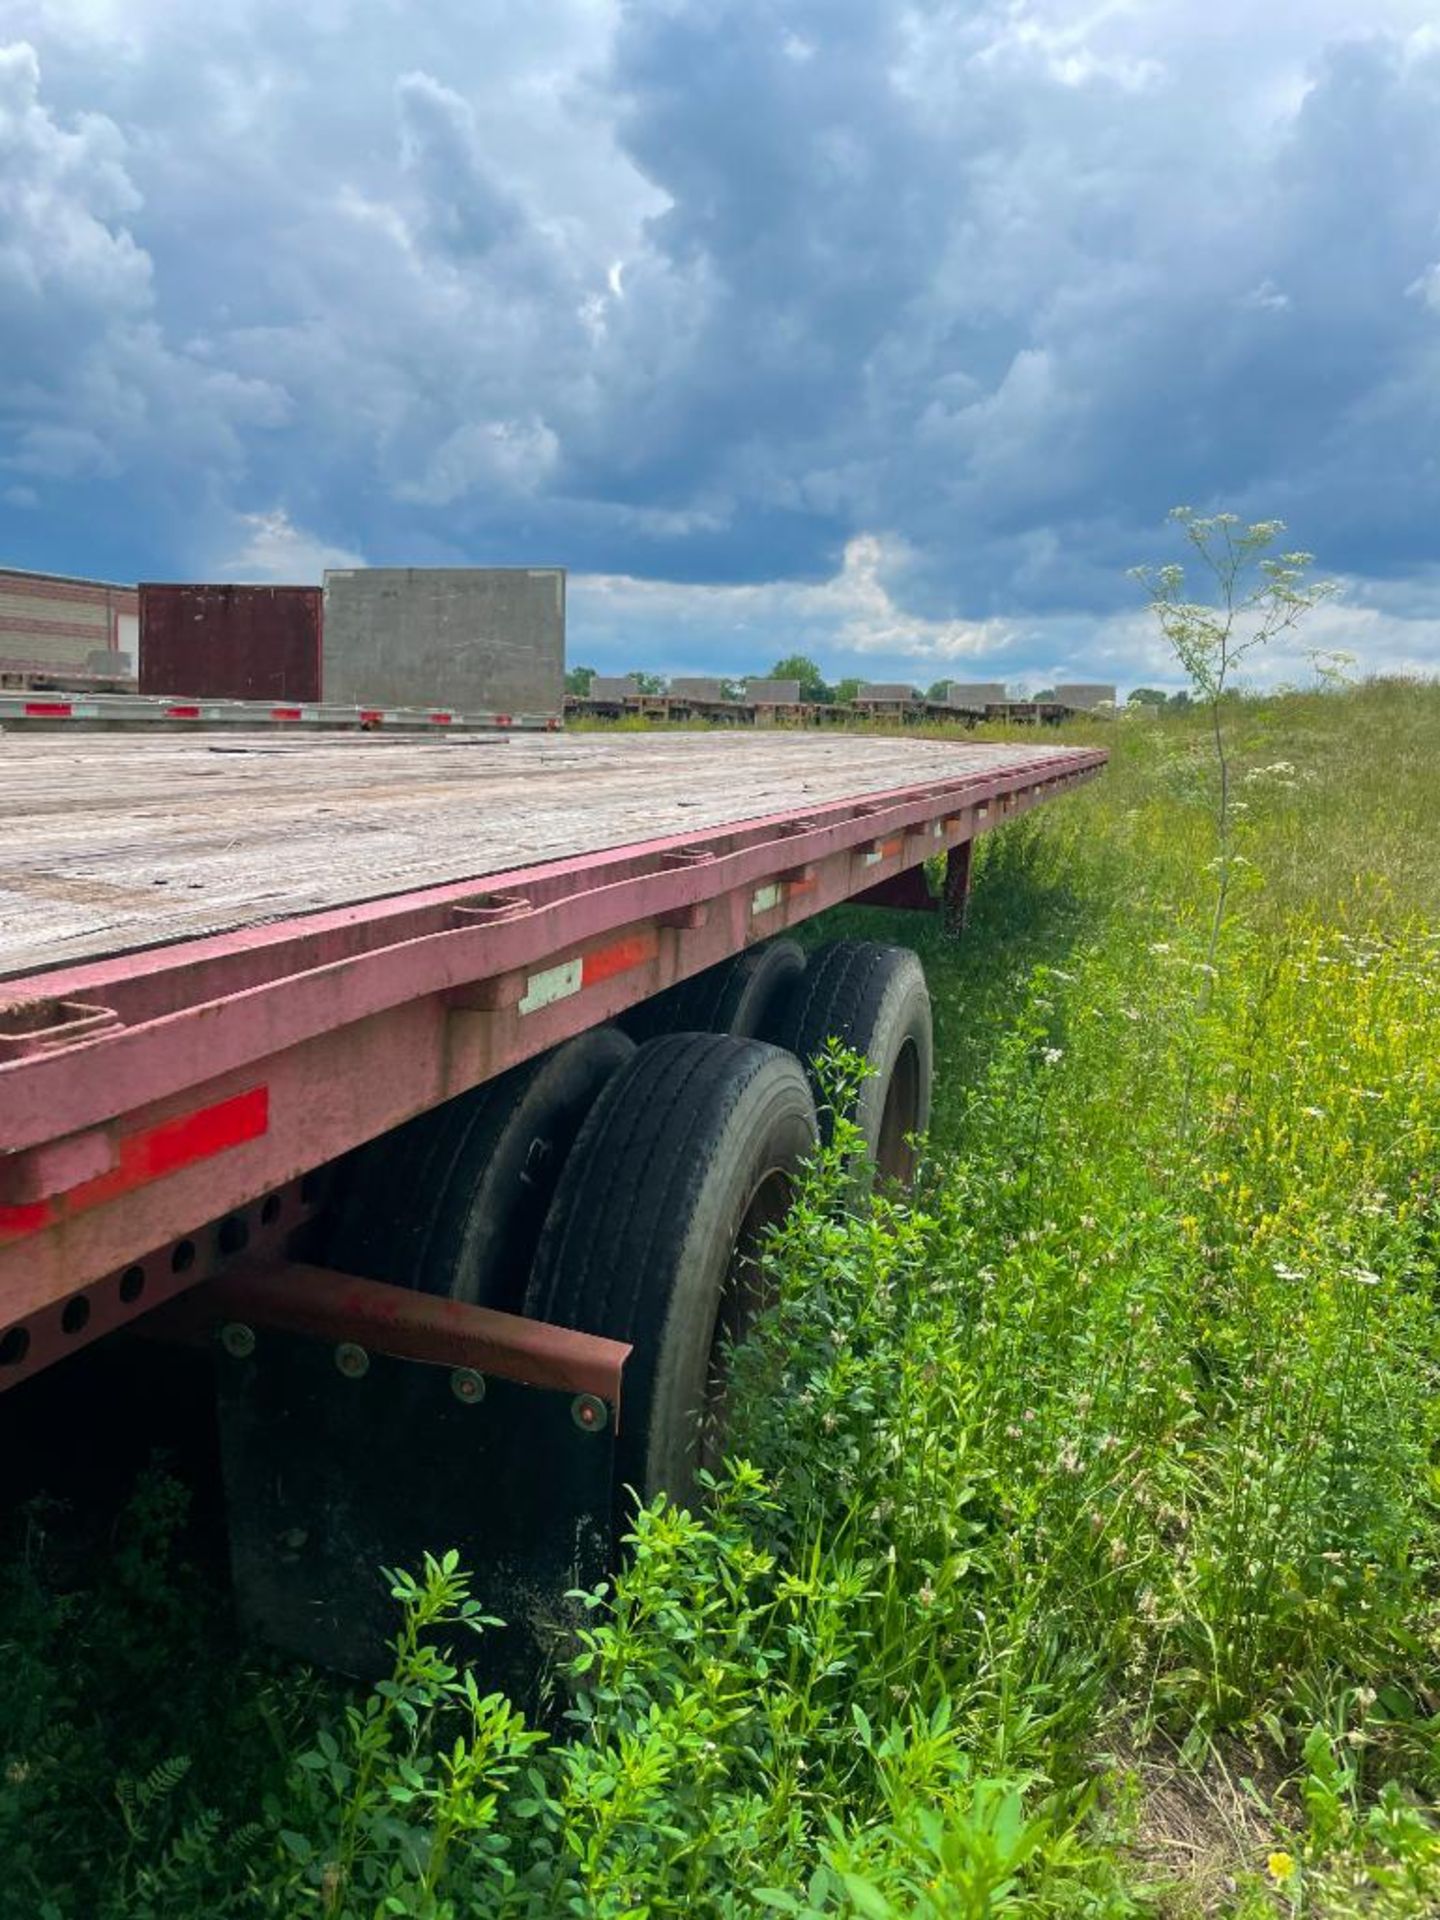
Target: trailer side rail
160, 713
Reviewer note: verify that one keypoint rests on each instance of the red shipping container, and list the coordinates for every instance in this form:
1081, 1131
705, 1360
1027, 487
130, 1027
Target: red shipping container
231, 643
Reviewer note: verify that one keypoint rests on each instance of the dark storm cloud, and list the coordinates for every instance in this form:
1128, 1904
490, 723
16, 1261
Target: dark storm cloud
1013, 316
898, 326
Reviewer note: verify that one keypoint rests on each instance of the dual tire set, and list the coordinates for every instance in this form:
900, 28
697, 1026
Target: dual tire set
622, 1184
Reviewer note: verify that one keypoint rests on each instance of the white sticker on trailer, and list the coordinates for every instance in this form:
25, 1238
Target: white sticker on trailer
764, 898
555, 983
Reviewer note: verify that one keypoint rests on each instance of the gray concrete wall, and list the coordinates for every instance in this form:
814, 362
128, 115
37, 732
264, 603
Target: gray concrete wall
773, 693
695, 687
976, 693
471, 639
613, 686
110, 666
885, 692
1085, 693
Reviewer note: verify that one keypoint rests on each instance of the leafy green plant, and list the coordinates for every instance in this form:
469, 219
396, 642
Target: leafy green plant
1258, 596
390, 1812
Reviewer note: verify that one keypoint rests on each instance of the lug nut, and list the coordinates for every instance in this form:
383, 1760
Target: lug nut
353, 1361
238, 1340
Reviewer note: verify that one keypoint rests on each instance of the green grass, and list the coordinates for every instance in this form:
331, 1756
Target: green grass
1084, 1557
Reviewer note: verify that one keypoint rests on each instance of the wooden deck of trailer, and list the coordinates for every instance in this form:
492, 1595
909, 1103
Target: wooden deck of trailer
110, 843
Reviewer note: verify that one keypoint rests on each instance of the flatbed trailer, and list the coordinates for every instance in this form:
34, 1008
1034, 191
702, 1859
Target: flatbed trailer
229, 962
59, 711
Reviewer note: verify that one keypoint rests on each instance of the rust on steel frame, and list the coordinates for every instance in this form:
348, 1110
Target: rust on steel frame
290, 1297
154, 1105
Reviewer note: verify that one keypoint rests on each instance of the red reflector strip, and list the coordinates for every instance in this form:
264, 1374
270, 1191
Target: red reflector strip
371, 716
441, 719
621, 958
285, 713
150, 1155
891, 847
503, 720
48, 709
15, 1221
182, 713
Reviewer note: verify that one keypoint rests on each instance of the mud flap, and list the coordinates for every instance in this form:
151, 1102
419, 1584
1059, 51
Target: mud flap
340, 1462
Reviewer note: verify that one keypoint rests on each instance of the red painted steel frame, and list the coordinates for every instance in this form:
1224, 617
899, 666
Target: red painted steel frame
340, 1025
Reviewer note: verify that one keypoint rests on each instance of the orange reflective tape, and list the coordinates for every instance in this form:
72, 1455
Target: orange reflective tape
621, 957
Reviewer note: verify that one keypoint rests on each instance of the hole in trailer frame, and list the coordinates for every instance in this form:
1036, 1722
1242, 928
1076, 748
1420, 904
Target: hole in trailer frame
75, 1314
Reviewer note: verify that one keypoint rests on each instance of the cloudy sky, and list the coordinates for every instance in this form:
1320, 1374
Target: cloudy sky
887, 331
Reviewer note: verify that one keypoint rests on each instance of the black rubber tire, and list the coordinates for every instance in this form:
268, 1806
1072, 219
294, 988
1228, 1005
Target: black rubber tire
692, 1150
873, 999
454, 1201
738, 996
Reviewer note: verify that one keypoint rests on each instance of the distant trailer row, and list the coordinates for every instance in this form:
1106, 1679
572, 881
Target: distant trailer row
388, 644
780, 703
373, 641
766, 702
52, 711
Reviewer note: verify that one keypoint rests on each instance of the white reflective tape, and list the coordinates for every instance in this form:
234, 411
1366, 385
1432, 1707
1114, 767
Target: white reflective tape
873, 857
764, 898
555, 983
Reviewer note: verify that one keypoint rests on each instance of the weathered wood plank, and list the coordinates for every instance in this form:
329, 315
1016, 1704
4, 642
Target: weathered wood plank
110, 842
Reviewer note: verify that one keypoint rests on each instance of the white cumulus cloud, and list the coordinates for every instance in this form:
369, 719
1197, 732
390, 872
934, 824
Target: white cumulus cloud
275, 551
